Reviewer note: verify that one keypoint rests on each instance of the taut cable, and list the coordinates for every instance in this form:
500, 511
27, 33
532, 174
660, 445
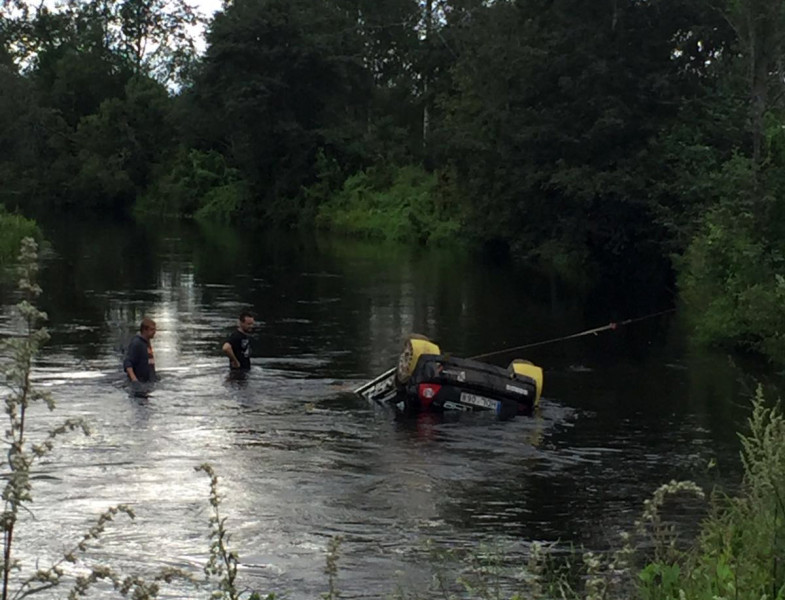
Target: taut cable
595, 331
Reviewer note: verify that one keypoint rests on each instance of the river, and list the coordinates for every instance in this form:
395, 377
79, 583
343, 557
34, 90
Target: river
300, 458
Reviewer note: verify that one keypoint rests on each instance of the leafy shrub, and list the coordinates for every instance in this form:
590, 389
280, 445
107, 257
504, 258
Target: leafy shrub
13, 228
395, 203
730, 277
222, 204
195, 184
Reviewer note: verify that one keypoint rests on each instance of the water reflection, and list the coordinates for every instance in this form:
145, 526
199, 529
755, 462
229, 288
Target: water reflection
300, 459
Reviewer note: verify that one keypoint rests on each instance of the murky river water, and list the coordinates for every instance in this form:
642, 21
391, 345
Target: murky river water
301, 459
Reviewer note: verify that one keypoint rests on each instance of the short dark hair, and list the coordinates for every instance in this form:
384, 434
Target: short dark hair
244, 315
147, 323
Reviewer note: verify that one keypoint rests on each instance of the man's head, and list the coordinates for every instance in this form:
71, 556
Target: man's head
147, 328
246, 322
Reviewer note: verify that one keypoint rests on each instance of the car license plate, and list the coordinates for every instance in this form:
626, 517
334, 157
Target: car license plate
480, 401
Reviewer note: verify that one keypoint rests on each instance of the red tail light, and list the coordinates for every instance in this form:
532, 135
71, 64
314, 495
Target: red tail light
427, 392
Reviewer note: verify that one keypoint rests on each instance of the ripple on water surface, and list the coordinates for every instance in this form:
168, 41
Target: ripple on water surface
300, 458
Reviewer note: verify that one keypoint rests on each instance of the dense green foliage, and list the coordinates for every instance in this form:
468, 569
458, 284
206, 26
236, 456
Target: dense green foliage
13, 229
616, 134
731, 275
402, 204
195, 184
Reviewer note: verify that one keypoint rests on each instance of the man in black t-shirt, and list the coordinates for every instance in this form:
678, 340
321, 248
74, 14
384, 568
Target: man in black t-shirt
238, 346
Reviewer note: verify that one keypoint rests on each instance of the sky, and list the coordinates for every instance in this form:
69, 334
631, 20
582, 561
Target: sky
208, 7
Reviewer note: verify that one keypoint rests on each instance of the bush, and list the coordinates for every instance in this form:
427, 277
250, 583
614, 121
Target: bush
730, 276
13, 228
222, 204
395, 203
195, 184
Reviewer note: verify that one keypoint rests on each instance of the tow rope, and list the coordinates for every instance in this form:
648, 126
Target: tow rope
610, 326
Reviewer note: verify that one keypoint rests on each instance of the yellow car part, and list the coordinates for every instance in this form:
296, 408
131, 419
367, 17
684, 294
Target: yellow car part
527, 369
414, 347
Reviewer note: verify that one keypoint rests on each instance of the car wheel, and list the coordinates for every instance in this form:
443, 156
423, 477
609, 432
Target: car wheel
527, 369
414, 347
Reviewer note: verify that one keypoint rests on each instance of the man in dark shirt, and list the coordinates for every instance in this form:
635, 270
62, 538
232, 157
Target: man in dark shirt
238, 346
139, 363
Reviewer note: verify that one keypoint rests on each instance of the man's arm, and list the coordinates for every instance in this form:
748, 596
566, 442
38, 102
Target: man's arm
229, 351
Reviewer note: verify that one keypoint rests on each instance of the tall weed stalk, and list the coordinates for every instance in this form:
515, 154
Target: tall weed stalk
740, 550
331, 568
223, 562
20, 395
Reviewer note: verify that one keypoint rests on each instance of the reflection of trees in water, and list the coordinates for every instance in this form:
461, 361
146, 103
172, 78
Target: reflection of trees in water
349, 301
466, 306
89, 263
348, 304
103, 278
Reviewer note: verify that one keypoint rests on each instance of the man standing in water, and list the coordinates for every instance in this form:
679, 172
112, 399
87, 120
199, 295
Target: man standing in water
139, 363
238, 346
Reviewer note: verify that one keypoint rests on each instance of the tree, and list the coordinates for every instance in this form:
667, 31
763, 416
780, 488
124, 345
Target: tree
760, 31
85, 124
550, 110
281, 79
120, 145
156, 36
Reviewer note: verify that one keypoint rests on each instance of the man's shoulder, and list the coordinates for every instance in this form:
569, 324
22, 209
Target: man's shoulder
136, 347
138, 340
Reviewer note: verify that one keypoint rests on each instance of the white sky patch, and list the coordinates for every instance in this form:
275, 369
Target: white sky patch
208, 8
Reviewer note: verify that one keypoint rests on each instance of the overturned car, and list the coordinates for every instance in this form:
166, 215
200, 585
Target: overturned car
427, 380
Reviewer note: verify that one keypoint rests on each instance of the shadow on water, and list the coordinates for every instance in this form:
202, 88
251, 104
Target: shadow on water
300, 458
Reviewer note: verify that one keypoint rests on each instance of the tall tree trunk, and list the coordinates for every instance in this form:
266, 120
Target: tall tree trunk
759, 104
426, 113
